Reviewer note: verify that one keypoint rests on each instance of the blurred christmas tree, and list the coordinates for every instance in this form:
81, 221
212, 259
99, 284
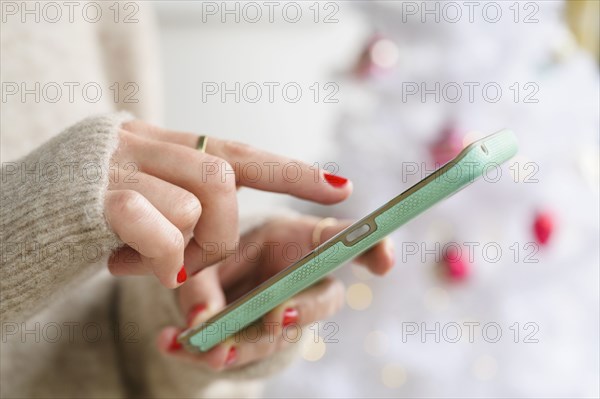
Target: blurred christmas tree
518, 249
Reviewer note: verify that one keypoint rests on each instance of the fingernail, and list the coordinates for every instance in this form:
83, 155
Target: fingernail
195, 311
231, 356
335, 181
182, 275
175, 345
290, 316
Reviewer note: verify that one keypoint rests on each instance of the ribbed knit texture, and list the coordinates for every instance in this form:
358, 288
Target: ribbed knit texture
53, 226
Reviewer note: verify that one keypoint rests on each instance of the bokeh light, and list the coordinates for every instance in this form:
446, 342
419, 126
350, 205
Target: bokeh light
384, 53
359, 296
393, 376
314, 349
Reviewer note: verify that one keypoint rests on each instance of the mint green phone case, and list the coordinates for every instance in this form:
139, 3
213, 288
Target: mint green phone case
470, 164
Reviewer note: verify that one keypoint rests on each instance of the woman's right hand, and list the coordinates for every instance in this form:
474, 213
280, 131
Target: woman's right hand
172, 204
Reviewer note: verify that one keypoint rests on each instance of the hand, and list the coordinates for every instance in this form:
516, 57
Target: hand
178, 198
209, 291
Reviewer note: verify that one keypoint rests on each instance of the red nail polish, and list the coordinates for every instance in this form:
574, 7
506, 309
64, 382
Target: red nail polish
175, 345
231, 356
290, 316
335, 181
182, 275
195, 311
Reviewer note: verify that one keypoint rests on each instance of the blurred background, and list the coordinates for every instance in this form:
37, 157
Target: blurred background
387, 91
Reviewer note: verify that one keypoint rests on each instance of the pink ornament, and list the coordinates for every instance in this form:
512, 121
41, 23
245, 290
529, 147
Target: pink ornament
379, 56
543, 226
447, 146
456, 264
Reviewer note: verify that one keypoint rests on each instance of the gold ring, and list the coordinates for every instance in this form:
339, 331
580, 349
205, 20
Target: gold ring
318, 229
201, 145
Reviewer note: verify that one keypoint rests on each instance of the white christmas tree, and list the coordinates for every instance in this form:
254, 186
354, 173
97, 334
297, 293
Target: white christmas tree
517, 312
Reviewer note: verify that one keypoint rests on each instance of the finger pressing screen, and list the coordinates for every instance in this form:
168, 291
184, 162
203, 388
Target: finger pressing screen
260, 169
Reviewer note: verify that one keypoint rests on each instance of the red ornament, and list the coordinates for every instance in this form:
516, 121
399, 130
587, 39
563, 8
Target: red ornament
543, 226
455, 262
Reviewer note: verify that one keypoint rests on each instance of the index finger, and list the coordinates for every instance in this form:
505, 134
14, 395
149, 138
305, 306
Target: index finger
259, 169
266, 171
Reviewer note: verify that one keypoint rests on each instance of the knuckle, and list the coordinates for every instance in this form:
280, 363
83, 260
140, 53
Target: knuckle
126, 149
187, 211
218, 174
135, 125
227, 167
227, 185
130, 125
236, 150
224, 187
126, 202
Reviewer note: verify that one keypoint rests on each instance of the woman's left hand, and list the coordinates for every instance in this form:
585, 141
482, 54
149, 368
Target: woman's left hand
262, 253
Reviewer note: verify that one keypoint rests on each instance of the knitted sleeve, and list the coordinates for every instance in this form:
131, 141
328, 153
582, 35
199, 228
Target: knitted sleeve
53, 229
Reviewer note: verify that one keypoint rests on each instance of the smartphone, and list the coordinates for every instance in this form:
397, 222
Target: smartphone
473, 161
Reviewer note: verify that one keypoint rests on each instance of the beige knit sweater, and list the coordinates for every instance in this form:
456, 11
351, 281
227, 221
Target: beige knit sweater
69, 329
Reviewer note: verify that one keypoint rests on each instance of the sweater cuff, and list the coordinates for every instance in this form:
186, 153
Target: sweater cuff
54, 232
